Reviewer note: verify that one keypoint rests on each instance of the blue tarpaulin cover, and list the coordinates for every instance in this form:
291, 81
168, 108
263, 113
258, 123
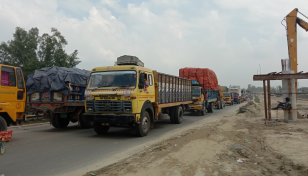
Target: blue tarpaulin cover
54, 78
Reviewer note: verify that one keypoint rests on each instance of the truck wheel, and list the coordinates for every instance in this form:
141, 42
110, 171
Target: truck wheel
3, 125
218, 105
211, 108
171, 114
53, 120
61, 122
143, 127
84, 123
203, 110
178, 115
99, 128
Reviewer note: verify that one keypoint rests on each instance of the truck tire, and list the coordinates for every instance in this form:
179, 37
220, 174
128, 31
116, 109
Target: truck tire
171, 114
53, 120
84, 123
211, 107
178, 115
203, 109
3, 125
218, 105
60, 122
99, 128
143, 127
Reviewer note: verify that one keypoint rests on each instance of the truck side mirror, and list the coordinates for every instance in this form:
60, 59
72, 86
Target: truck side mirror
141, 81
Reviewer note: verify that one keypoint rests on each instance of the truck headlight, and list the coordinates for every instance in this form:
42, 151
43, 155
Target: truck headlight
89, 98
90, 109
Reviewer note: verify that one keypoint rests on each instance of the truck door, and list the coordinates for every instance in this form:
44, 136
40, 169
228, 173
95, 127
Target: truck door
21, 91
147, 92
8, 85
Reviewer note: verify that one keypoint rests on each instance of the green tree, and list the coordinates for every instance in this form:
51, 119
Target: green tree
30, 51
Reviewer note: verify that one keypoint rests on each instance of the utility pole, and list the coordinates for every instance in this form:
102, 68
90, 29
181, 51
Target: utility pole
260, 68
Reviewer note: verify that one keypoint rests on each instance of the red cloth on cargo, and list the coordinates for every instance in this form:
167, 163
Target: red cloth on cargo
206, 77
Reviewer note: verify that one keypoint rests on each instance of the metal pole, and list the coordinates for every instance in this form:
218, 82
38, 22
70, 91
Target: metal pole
269, 100
264, 92
260, 68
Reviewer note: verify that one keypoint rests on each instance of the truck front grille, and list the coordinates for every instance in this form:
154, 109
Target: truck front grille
110, 106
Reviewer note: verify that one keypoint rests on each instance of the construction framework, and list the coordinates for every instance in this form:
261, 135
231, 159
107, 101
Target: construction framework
275, 76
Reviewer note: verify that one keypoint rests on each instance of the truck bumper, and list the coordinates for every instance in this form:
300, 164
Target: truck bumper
109, 118
195, 107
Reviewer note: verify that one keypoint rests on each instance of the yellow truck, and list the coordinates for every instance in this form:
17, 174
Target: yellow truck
203, 100
130, 95
12, 96
227, 98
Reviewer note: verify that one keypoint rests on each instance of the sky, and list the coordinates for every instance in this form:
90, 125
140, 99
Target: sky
233, 38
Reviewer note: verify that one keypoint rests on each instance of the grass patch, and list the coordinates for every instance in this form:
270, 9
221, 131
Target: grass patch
256, 99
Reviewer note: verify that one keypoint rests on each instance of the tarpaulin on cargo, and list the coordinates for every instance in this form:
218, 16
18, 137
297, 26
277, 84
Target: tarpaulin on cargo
54, 78
206, 77
221, 89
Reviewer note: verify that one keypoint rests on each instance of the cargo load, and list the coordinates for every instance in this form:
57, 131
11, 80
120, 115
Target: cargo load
206, 77
221, 89
58, 93
54, 78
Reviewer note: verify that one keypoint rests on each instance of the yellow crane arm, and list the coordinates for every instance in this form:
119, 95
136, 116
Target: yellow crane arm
292, 20
302, 23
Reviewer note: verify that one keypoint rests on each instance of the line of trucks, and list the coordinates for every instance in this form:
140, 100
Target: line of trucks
124, 95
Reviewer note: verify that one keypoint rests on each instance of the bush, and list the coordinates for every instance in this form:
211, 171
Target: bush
256, 99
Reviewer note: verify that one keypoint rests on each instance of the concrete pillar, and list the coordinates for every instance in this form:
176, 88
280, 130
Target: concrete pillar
293, 101
286, 92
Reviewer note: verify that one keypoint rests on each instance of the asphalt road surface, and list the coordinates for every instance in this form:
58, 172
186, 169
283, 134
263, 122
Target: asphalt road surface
44, 150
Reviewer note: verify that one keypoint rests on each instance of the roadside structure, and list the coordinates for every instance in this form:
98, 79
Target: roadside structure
288, 88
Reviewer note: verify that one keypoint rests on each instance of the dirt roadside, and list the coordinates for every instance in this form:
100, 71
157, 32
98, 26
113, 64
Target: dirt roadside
214, 148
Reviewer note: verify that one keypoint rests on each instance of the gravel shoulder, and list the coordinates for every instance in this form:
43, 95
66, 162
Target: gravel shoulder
216, 144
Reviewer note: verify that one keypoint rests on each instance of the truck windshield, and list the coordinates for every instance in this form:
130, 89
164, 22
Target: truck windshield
234, 94
226, 94
114, 79
195, 91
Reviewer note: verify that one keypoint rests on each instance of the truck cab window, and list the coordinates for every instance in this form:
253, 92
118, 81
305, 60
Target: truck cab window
150, 80
8, 76
20, 80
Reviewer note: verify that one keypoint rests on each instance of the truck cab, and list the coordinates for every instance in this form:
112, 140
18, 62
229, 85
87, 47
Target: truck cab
236, 97
227, 98
199, 103
131, 96
12, 96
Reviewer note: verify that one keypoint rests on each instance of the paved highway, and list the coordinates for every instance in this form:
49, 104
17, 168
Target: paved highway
44, 150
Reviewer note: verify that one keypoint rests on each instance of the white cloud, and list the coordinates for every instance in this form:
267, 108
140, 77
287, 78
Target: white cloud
231, 39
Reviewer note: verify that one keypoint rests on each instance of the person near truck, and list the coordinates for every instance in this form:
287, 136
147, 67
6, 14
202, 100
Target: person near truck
285, 106
146, 84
